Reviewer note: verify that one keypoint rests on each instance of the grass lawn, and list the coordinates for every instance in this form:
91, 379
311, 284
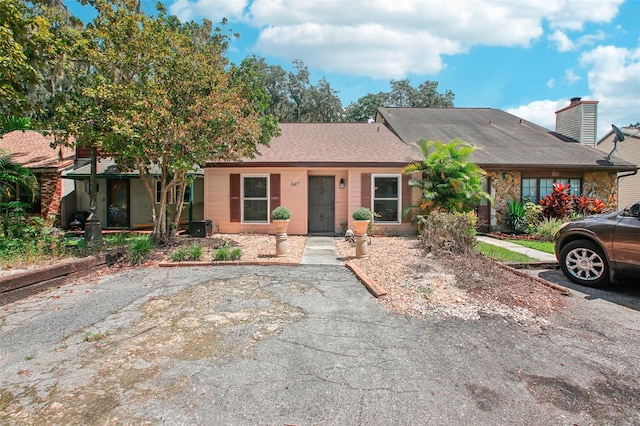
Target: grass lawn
545, 246
501, 254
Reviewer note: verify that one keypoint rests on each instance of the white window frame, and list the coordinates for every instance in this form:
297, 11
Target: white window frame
242, 198
398, 176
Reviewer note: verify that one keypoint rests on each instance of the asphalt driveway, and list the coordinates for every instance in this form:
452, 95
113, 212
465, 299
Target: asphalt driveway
302, 345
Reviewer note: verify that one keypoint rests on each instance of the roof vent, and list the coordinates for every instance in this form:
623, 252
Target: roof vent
575, 100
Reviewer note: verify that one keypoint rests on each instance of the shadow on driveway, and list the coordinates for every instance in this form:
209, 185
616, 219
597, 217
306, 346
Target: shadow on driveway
625, 293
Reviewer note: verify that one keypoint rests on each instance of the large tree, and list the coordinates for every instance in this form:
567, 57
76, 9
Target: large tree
32, 34
401, 95
292, 96
161, 98
20, 33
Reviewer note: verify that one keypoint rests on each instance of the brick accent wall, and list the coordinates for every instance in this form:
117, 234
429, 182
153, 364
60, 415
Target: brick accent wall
50, 196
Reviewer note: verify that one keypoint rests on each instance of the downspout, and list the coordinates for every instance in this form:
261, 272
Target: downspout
618, 177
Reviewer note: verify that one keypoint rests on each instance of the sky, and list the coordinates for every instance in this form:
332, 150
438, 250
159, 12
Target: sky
526, 57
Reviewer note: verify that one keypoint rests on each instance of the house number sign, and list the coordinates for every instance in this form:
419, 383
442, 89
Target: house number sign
295, 183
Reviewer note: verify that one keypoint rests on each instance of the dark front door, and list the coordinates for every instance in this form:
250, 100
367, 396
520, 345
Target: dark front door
321, 204
484, 211
118, 204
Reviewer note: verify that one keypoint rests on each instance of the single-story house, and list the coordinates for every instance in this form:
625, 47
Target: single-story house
322, 172
122, 201
628, 149
33, 151
522, 159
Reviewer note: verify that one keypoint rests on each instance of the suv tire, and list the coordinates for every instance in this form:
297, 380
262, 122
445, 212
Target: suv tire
583, 262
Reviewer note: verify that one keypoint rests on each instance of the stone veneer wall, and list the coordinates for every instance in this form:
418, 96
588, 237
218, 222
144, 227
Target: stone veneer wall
601, 185
505, 186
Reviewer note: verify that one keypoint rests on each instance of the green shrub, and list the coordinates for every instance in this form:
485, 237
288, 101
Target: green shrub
235, 254
547, 228
139, 249
222, 254
26, 239
225, 253
281, 213
453, 232
533, 214
362, 213
192, 253
515, 216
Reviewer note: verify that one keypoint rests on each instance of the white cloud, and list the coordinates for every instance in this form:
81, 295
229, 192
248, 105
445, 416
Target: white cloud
571, 76
562, 42
614, 80
389, 39
551, 83
573, 14
214, 10
540, 112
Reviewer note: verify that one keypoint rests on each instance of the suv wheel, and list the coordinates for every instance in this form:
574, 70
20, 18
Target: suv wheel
583, 263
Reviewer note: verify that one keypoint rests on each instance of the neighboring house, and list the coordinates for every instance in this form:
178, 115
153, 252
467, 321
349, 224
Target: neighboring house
322, 172
629, 150
122, 200
33, 151
522, 160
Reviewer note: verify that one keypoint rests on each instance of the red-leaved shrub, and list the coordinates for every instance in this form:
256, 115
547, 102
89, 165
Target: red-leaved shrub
584, 205
558, 203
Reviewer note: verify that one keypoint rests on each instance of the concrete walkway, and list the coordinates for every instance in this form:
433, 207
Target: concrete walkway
534, 254
320, 251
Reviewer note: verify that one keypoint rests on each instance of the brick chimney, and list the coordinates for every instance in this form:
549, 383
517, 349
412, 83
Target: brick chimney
578, 121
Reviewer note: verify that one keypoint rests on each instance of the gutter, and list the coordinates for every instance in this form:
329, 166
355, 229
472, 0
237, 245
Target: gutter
631, 173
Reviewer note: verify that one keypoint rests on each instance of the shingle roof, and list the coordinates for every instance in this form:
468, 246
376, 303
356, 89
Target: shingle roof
501, 139
327, 144
32, 150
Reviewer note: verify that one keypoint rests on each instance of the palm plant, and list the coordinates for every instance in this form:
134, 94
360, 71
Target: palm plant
11, 123
448, 180
12, 176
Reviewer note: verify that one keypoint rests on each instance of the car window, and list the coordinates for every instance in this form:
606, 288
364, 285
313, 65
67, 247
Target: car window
632, 210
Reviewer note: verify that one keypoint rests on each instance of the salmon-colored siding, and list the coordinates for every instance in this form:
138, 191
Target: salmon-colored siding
294, 194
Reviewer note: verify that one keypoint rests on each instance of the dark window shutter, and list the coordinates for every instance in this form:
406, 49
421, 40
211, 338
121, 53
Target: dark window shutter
235, 211
365, 190
274, 189
406, 197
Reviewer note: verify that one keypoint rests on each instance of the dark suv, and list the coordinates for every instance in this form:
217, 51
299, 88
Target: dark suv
593, 250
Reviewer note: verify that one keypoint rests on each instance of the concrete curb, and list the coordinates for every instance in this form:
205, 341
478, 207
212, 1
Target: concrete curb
374, 288
532, 265
18, 286
560, 289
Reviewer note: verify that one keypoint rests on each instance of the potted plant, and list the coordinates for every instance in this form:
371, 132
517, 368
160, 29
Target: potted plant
362, 217
280, 217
